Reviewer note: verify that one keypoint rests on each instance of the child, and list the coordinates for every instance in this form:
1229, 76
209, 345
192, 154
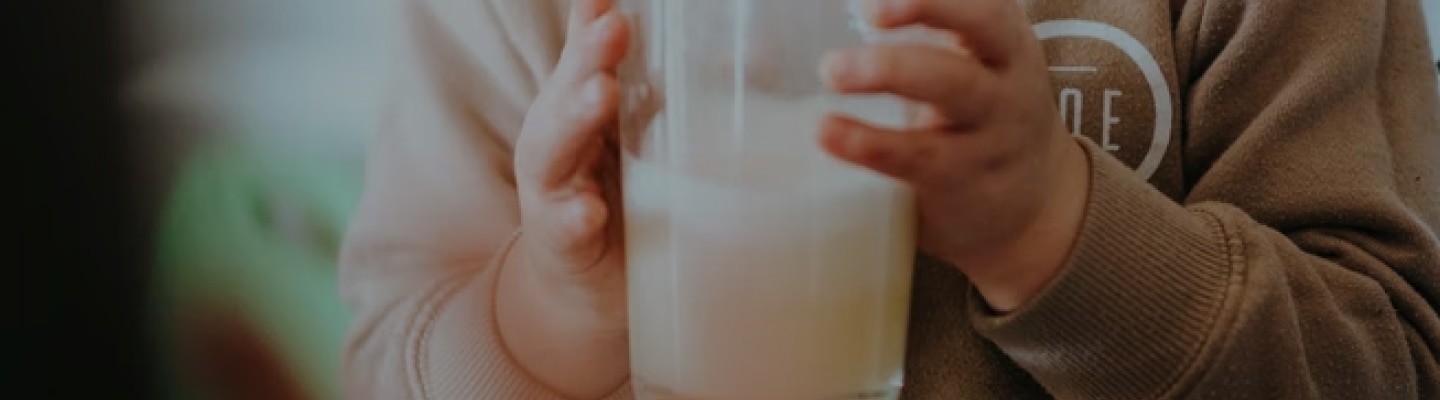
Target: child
1249, 207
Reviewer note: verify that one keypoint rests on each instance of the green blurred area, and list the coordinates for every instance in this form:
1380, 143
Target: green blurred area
254, 114
246, 299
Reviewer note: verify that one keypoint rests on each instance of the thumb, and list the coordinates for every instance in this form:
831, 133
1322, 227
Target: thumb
574, 229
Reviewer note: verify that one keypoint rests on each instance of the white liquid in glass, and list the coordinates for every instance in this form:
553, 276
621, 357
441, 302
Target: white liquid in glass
761, 269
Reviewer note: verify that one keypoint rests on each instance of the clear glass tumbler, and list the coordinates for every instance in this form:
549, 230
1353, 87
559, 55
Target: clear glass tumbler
760, 268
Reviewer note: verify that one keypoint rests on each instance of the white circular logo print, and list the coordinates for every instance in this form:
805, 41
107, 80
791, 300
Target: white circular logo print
1149, 67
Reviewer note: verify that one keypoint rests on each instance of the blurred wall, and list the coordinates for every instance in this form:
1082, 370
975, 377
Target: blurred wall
263, 67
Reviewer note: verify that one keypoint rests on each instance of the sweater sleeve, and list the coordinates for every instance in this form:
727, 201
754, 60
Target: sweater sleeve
439, 207
1304, 260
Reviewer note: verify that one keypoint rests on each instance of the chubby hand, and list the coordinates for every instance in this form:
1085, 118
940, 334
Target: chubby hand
1001, 186
560, 305
565, 164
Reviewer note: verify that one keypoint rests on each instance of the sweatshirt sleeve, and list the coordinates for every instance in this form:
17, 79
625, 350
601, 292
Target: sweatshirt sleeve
1304, 260
439, 207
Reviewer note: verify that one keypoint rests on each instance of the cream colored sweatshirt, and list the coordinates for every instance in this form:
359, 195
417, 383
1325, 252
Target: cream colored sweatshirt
1262, 222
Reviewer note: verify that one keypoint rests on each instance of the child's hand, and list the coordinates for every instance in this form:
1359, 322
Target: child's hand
1000, 184
565, 166
561, 301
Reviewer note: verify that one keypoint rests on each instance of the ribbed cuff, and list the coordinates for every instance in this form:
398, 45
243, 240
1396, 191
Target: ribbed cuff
1141, 294
459, 353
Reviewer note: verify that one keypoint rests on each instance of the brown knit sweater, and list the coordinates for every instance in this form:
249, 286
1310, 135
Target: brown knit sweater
1262, 224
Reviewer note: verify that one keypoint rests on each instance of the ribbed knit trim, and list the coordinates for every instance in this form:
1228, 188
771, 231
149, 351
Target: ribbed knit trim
486, 364
1140, 296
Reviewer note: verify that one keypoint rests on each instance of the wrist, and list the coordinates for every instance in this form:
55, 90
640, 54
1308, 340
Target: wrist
558, 329
1021, 269
593, 300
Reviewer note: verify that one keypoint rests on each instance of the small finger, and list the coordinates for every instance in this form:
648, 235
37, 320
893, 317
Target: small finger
575, 125
951, 80
903, 155
584, 12
599, 48
991, 28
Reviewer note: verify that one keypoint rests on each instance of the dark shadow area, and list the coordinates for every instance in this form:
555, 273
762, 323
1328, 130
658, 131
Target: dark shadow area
80, 237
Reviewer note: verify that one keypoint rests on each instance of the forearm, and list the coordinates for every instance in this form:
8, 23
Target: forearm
556, 333
1173, 300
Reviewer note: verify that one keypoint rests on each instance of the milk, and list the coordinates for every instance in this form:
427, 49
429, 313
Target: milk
760, 268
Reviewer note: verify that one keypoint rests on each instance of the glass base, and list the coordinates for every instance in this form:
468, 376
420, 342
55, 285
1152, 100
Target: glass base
644, 391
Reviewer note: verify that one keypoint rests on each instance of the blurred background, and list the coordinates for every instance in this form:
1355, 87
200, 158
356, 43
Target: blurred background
253, 117
244, 123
